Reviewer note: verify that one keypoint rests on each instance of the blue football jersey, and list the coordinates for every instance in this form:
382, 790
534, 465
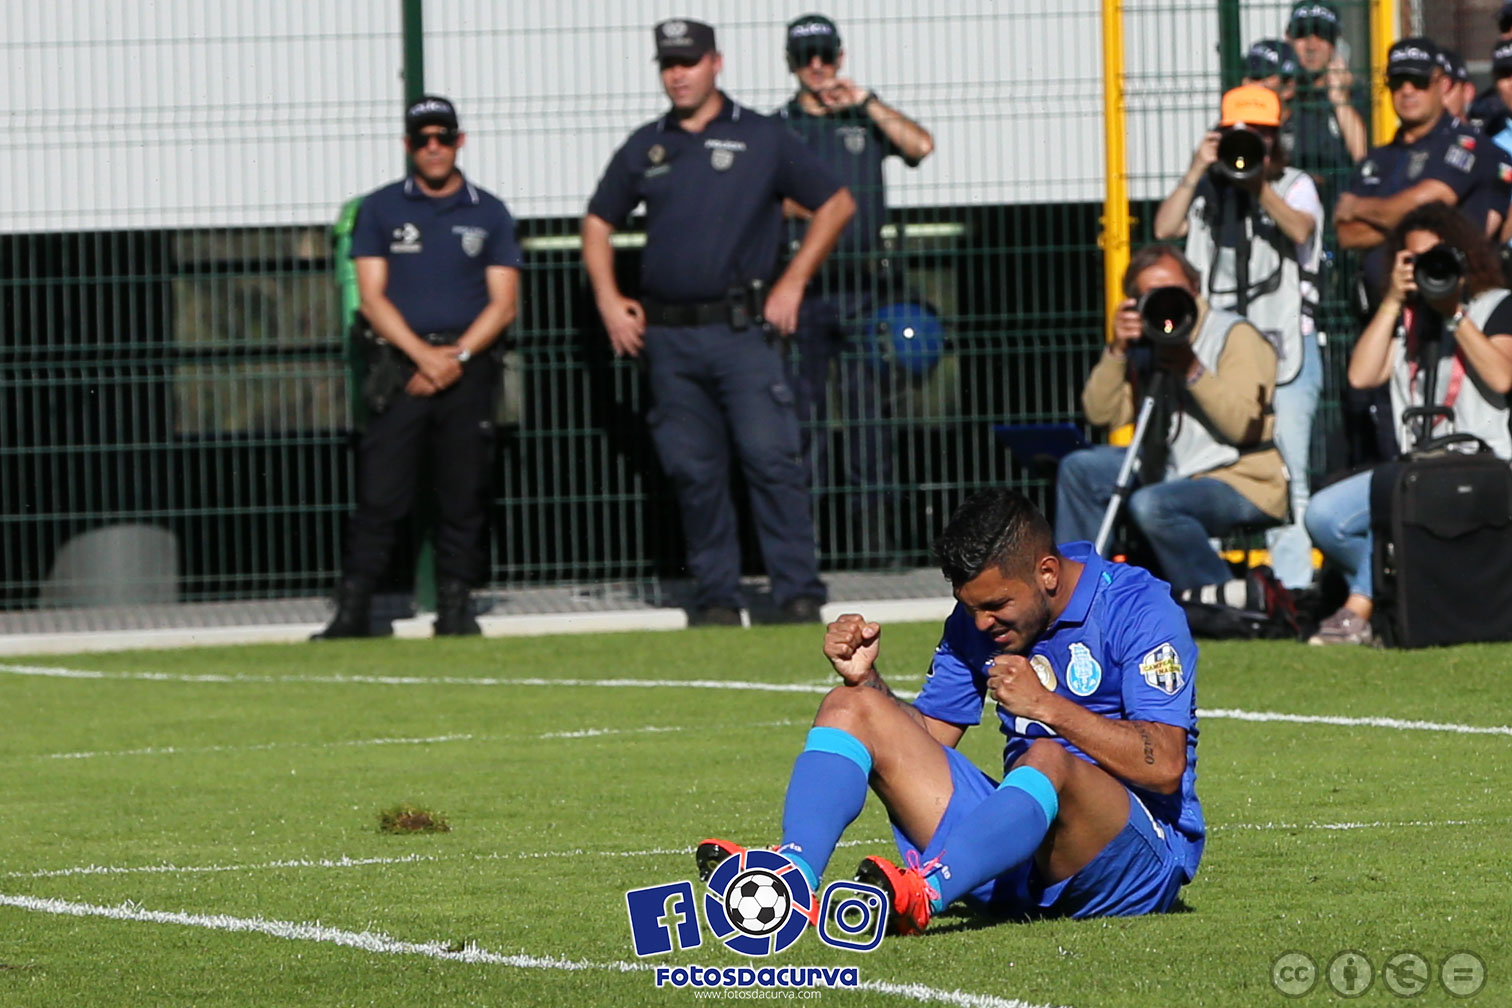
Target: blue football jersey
1121, 649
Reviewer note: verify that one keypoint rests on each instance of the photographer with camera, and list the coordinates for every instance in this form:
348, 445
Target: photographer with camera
1206, 463
1253, 227
1442, 336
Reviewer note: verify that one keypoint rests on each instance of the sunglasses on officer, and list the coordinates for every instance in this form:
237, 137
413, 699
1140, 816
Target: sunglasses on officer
445, 137
803, 56
1397, 81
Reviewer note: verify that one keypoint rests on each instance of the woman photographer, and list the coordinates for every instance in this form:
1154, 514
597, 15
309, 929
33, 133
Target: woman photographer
1262, 221
1473, 377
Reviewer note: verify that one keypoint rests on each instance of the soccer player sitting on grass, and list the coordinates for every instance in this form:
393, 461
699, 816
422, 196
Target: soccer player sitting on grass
1093, 671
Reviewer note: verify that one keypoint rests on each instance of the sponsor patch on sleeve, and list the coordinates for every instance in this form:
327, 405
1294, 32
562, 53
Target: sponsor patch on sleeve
1162, 669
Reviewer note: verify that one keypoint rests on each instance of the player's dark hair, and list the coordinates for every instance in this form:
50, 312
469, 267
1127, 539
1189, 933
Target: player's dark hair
1455, 230
1148, 256
1001, 527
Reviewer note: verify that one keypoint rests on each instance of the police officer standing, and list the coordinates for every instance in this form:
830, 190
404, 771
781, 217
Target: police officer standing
438, 271
853, 131
1433, 157
713, 176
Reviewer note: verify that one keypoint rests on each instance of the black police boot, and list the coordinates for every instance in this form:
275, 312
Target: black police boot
454, 617
354, 612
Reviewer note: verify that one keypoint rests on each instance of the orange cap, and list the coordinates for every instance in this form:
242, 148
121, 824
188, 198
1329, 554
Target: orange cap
1253, 105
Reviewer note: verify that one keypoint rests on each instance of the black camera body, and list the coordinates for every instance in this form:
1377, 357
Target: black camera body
1168, 315
1241, 154
1439, 272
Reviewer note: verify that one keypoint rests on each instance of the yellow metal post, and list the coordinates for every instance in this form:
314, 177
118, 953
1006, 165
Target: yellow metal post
1116, 223
1385, 20
1116, 226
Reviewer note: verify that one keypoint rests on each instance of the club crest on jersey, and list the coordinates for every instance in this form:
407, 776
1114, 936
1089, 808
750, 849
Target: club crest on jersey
1043, 670
1083, 674
1162, 669
472, 239
405, 238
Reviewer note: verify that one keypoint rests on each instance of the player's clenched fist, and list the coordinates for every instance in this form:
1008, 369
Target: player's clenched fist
1013, 684
851, 643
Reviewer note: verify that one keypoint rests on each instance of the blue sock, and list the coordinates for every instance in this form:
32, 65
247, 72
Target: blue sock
1004, 830
825, 794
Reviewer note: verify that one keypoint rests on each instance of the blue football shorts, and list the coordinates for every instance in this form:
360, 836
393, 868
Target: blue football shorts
1139, 872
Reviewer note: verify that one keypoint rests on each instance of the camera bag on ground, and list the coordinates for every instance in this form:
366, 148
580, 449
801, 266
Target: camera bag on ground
1268, 612
1442, 563
1441, 519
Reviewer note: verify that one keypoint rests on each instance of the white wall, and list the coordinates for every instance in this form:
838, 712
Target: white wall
181, 113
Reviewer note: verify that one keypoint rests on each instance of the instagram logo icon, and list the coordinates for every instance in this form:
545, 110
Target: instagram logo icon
853, 916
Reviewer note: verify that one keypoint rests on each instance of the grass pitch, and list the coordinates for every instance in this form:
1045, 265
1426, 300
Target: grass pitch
176, 824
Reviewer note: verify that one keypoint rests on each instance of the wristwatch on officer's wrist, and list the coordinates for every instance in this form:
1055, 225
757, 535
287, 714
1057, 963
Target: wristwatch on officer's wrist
871, 96
463, 355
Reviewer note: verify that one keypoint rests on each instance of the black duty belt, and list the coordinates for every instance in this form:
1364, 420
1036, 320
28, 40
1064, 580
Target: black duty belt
687, 313
446, 338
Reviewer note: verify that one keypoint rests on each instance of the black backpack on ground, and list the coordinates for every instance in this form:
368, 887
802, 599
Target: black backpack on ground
1269, 612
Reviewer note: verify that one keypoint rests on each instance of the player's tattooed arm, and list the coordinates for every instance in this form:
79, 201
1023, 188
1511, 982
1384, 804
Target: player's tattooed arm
1149, 743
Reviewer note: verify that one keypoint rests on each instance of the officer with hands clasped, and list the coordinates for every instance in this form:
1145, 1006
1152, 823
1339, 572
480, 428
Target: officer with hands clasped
713, 176
438, 271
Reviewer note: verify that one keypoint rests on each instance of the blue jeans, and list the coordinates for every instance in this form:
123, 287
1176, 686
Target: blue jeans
1296, 405
1338, 519
1177, 516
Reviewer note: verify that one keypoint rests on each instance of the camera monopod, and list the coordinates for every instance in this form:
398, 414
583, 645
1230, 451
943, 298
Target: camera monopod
1168, 315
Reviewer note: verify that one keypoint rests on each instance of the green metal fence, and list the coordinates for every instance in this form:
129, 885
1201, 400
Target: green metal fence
173, 395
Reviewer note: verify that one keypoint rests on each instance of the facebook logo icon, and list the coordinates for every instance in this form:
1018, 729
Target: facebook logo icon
655, 911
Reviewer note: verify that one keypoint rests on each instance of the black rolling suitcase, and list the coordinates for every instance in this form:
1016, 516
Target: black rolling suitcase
1443, 549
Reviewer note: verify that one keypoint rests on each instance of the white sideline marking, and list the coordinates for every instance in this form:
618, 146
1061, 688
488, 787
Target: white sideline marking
177, 750
346, 862
1357, 722
376, 941
373, 680
1432, 823
1233, 714
349, 862
597, 732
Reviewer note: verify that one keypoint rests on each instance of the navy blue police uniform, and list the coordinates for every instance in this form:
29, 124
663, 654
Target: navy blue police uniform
438, 250
841, 298
713, 227
1453, 152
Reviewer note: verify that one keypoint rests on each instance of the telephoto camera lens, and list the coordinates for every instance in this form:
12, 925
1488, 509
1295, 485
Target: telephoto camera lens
1168, 314
1439, 271
1241, 154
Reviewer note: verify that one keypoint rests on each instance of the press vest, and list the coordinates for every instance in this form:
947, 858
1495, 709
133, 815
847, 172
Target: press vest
1276, 301
1477, 410
1197, 448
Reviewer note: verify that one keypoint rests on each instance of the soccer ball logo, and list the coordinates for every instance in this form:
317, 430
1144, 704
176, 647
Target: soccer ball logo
758, 902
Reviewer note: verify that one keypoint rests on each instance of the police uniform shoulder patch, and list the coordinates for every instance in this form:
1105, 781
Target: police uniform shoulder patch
1083, 674
657, 154
1043, 671
472, 239
1162, 669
